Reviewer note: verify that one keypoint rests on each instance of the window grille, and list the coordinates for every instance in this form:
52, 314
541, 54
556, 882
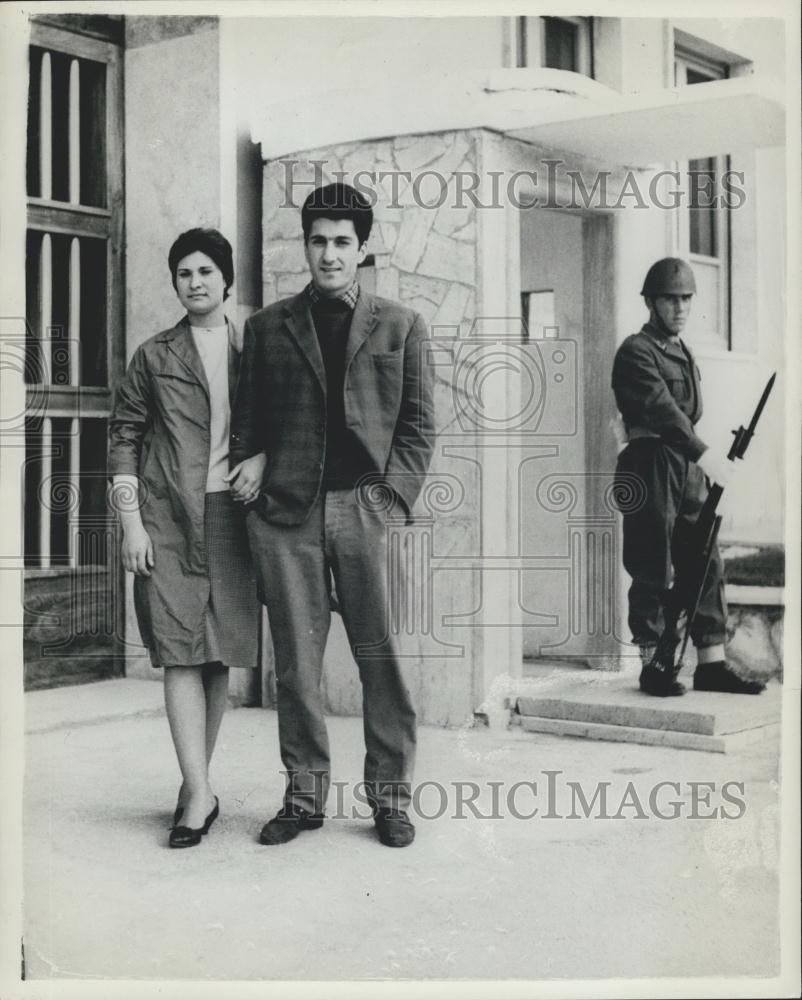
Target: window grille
73, 290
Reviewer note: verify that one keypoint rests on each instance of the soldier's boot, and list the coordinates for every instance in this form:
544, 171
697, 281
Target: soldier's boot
718, 676
656, 679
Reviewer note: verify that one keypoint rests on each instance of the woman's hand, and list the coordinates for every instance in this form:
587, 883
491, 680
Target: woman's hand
245, 479
137, 550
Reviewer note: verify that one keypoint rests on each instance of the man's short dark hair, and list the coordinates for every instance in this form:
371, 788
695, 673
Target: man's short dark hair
208, 241
338, 201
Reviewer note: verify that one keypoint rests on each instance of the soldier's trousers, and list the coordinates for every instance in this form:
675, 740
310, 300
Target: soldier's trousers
657, 541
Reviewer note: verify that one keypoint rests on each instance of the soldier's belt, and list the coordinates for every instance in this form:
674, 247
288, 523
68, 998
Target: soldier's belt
634, 433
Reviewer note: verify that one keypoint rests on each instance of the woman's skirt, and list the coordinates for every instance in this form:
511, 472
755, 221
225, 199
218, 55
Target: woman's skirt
227, 631
231, 618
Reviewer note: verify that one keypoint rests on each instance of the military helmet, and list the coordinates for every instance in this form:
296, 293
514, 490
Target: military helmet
669, 276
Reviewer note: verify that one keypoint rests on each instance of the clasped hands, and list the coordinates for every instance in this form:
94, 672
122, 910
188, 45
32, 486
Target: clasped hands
245, 479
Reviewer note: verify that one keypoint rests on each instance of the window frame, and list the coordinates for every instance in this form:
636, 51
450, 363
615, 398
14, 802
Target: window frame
528, 50
684, 59
47, 402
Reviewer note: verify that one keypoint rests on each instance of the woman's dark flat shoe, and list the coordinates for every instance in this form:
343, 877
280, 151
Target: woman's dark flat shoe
185, 836
212, 816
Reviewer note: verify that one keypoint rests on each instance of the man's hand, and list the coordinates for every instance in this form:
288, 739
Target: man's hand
717, 468
619, 431
137, 550
245, 479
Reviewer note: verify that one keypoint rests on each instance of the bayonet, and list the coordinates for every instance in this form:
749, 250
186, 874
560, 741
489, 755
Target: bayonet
744, 436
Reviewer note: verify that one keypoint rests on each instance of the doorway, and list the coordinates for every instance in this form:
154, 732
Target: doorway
569, 530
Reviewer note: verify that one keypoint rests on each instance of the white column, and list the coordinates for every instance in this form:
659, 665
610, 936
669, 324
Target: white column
46, 491
73, 348
498, 297
46, 286
73, 516
75, 132
46, 129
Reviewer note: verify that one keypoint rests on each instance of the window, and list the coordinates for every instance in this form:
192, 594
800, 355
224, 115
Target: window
703, 230
539, 317
554, 43
73, 285
75, 347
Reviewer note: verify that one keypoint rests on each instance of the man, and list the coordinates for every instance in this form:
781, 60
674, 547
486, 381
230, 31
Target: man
334, 387
656, 385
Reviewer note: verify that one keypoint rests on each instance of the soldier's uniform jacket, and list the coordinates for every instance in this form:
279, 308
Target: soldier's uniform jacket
656, 386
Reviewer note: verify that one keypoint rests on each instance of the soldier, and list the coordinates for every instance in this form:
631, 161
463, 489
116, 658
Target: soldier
656, 386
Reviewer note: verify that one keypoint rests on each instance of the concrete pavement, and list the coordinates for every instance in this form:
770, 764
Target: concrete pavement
494, 896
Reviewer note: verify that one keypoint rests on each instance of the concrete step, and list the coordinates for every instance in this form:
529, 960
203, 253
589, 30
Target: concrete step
610, 707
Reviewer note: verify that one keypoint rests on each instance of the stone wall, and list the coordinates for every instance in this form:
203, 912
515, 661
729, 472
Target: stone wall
425, 257
755, 647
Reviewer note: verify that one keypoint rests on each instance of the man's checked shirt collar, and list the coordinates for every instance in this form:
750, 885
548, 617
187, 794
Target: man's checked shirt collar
349, 296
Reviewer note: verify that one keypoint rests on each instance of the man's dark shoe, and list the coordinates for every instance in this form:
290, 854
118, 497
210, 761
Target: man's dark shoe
718, 676
393, 827
660, 683
288, 822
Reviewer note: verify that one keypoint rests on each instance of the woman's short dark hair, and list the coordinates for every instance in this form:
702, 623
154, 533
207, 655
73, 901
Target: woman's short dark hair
338, 201
208, 241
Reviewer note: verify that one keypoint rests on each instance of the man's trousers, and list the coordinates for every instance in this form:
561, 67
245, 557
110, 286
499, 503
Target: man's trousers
657, 542
342, 542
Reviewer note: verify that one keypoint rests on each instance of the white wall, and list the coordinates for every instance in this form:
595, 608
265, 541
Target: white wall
299, 56
758, 39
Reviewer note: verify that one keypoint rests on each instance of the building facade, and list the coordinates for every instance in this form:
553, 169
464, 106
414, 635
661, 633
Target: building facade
524, 173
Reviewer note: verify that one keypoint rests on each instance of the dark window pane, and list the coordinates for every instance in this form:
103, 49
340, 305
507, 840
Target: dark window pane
94, 283
520, 54
561, 44
702, 213
97, 526
93, 133
33, 477
694, 76
60, 73
34, 371
59, 494
34, 123
60, 348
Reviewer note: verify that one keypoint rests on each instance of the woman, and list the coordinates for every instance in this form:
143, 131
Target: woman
183, 531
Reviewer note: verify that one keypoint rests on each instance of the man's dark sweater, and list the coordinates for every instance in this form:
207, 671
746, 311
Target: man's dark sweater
345, 461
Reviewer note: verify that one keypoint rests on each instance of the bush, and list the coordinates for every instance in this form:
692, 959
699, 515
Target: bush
765, 568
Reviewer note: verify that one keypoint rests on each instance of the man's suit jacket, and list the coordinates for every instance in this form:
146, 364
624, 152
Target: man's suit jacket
280, 403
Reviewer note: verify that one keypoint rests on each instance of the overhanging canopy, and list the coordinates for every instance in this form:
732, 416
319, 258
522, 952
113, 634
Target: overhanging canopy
548, 108
707, 119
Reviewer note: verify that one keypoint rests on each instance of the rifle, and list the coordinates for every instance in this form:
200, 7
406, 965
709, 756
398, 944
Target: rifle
660, 675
